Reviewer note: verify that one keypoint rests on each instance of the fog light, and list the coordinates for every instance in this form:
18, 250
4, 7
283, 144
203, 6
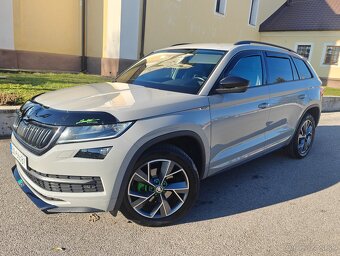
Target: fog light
93, 153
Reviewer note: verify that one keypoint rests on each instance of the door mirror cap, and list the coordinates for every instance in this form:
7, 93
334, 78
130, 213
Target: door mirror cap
232, 84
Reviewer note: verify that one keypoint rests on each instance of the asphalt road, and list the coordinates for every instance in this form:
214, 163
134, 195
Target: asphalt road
271, 206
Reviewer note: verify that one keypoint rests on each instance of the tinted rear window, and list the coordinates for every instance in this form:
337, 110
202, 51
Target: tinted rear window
280, 70
302, 68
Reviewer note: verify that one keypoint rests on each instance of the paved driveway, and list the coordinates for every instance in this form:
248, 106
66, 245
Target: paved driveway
271, 206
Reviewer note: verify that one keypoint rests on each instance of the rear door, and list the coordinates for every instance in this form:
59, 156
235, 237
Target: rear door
288, 97
239, 119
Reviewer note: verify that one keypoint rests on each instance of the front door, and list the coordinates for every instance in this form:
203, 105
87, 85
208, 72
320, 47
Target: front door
239, 120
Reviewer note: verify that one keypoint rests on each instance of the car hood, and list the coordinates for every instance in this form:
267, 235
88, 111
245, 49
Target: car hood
125, 102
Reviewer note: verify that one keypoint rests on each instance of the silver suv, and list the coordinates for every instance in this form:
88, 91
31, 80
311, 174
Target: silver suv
142, 143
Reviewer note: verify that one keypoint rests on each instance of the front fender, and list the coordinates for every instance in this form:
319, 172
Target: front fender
193, 123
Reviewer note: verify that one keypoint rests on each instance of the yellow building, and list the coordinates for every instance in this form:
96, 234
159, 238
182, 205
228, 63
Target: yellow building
105, 36
312, 28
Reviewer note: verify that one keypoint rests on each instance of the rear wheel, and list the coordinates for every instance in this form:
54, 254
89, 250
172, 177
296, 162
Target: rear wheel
162, 187
303, 139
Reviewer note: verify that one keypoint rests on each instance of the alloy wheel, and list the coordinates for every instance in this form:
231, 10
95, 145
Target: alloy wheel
158, 188
305, 137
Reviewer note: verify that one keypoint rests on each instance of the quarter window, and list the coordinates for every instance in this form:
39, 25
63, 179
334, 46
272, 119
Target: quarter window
220, 7
249, 68
332, 55
304, 50
254, 9
279, 69
302, 68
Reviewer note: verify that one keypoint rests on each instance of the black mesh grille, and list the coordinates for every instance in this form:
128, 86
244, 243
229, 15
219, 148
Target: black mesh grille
90, 184
35, 135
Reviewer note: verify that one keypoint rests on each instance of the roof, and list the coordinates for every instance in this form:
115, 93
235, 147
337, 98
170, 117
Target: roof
304, 15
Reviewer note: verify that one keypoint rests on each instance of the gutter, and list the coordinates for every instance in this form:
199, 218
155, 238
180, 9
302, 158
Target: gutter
83, 36
142, 43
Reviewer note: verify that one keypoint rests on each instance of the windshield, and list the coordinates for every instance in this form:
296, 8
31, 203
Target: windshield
173, 70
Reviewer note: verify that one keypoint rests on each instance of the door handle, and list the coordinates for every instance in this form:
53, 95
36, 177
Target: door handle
263, 105
302, 96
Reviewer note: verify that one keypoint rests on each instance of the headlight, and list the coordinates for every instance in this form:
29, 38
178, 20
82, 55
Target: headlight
93, 132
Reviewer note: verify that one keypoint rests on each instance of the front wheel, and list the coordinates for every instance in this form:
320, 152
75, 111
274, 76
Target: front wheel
162, 187
303, 139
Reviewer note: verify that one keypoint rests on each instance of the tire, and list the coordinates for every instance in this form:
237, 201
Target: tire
307, 126
152, 200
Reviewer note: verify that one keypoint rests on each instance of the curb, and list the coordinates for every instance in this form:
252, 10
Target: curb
7, 117
8, 114
331, 104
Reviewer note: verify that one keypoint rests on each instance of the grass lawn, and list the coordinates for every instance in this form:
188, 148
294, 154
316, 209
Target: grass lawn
16, 88
332, 91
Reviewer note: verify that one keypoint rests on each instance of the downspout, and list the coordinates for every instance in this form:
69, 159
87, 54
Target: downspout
83, 36
141, 55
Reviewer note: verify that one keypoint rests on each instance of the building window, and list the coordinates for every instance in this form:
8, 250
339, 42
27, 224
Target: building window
221, 6
332, 55
254, 10
304, 50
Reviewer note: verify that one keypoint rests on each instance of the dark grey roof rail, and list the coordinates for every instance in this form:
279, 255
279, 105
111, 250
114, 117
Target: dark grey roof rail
257, 42
180, 44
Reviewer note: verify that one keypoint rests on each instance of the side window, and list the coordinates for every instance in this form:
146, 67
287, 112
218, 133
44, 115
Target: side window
279, 70
302, 68
249, 68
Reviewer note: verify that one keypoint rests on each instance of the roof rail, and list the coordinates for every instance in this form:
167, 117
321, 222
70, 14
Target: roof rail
180, 44
257, 42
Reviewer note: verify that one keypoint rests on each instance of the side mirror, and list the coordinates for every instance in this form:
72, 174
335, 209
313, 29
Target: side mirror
232, 84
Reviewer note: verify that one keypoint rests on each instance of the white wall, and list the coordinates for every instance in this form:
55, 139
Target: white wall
6, 25
122, 29
113, 28
130, 25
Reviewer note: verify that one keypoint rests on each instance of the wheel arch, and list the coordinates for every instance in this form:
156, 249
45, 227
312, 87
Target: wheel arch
314, 110
179, 139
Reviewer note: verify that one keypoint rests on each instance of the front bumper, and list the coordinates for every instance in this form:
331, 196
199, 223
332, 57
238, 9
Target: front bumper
36, 200
42, 205
58, 164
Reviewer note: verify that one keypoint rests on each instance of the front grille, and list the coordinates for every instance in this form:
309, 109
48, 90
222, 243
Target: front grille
35, 135
64, 183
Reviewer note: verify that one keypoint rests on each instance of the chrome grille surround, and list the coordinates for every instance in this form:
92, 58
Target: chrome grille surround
36, 137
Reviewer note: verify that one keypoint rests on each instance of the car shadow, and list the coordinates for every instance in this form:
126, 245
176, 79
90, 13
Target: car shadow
271, 179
